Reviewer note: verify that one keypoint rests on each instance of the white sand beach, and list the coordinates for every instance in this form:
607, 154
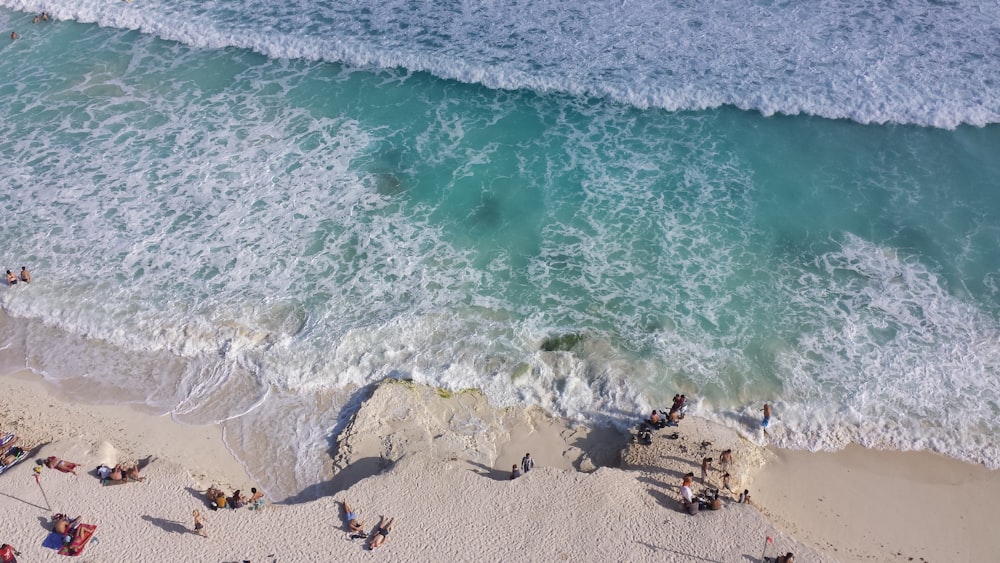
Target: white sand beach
592, 496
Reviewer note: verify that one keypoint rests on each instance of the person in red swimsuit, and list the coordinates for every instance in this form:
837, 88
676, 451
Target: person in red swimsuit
53, 462
8, 554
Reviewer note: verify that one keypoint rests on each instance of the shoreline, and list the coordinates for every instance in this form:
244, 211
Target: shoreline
408, 462
39, 414
862, 505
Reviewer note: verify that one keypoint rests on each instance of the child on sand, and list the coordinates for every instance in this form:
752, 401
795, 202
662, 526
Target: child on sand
706, 464
199, 523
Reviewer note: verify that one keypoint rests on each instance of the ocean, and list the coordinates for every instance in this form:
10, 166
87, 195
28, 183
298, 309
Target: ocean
247, 213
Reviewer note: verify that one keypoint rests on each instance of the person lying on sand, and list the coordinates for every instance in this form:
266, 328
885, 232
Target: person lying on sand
8, 554
353, 523
381, 533
118, 473
53, 462
132, 473
11, 456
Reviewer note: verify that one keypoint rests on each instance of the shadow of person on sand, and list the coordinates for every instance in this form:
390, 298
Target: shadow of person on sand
200, 495
491, 472
170, 526
689, 556
666, 500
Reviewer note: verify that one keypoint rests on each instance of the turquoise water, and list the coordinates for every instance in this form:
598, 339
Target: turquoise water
248, 223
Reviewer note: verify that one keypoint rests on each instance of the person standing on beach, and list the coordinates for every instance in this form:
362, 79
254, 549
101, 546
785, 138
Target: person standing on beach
767, 417
199, 523
25, 275
725, 482
8, 554
706, 464
527, 463
514, 473
725, 458
687, 497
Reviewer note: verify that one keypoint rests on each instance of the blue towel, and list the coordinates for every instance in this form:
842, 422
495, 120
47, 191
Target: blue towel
53, 541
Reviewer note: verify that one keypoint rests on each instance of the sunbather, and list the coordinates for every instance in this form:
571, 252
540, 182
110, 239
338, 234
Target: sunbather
8, 554
11, 456
381, 533
133, 473
62, 525
353, 523
53, 462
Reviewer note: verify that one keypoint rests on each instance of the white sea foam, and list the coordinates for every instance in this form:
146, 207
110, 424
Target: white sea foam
908, 62
899, 361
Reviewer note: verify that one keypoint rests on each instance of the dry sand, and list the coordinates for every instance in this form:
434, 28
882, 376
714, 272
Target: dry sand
439, 465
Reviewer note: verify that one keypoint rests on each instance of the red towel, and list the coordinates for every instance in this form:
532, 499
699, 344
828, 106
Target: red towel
80, 539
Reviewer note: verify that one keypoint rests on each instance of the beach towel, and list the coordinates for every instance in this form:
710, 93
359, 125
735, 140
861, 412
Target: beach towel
84, 532
19, 456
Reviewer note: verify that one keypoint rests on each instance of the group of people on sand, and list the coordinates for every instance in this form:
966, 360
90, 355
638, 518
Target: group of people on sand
356, 527
217, 499
660, 419
120, 472
13, 279
65, 527
663, 418
527, 463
